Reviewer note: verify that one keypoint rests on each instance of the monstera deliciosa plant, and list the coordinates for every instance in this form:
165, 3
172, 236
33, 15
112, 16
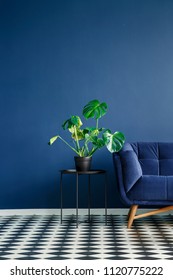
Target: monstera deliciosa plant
87, 140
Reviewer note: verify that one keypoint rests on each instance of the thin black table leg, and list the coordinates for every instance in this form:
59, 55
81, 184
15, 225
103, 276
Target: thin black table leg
61, 195
77, 179
90, 172
89, 195
105, 198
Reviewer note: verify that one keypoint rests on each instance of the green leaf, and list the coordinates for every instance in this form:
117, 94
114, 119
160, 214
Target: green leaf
53, 139
99, 143
94, 128
114, 142
80, 134
76, 121
90, 128
91, 137
94, 109
70, 123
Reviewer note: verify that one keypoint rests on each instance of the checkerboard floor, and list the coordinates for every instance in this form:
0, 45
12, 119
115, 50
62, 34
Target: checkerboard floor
44, 237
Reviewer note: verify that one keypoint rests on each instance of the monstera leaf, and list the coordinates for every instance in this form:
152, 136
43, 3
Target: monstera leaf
78, 134
93, 130
91, 135
95, 109
53, 139
74, 121
114, 142
86, 141
73, 125
98, 142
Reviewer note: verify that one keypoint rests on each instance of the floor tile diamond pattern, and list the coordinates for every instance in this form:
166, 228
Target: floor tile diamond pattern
44, 237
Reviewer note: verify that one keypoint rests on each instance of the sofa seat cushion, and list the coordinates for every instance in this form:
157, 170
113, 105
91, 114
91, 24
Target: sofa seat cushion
152, 188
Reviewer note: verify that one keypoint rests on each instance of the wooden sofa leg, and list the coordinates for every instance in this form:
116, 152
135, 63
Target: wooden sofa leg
128, 215
131, 215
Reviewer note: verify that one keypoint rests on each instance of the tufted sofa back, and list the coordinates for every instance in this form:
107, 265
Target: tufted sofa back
154, 158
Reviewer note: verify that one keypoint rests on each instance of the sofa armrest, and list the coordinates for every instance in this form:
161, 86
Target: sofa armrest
131, 168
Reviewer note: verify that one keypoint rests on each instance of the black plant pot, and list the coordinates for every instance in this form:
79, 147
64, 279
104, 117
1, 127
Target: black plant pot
83, 163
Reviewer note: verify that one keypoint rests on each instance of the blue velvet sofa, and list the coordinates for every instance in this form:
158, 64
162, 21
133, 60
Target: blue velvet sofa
144, 173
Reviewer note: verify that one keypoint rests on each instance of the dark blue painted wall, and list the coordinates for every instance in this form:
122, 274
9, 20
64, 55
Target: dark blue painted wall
55, 56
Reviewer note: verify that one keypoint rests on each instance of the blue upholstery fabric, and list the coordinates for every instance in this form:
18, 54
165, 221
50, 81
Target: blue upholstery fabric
131, 169
170, 187
154, 158
146, 173
149, 187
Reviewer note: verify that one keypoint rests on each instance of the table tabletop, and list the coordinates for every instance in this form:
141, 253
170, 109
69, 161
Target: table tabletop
74, 171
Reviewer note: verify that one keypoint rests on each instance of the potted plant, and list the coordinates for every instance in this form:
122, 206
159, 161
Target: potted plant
89, 139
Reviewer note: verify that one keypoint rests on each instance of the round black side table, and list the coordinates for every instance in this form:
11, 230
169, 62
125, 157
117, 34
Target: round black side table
77, 174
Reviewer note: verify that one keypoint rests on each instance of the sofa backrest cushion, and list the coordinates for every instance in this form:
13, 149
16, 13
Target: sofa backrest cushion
131, 169
155, 158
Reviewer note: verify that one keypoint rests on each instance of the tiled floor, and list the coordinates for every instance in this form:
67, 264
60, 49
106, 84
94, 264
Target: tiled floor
43, 237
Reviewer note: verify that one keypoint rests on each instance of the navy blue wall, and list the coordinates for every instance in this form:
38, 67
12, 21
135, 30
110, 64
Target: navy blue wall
55, 56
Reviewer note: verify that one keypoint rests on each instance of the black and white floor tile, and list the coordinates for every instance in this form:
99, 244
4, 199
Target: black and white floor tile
44, 237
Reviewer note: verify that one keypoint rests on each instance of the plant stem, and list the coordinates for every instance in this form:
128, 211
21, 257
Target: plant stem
69, 146
86, 149
77, 141
97, 123
93, 151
